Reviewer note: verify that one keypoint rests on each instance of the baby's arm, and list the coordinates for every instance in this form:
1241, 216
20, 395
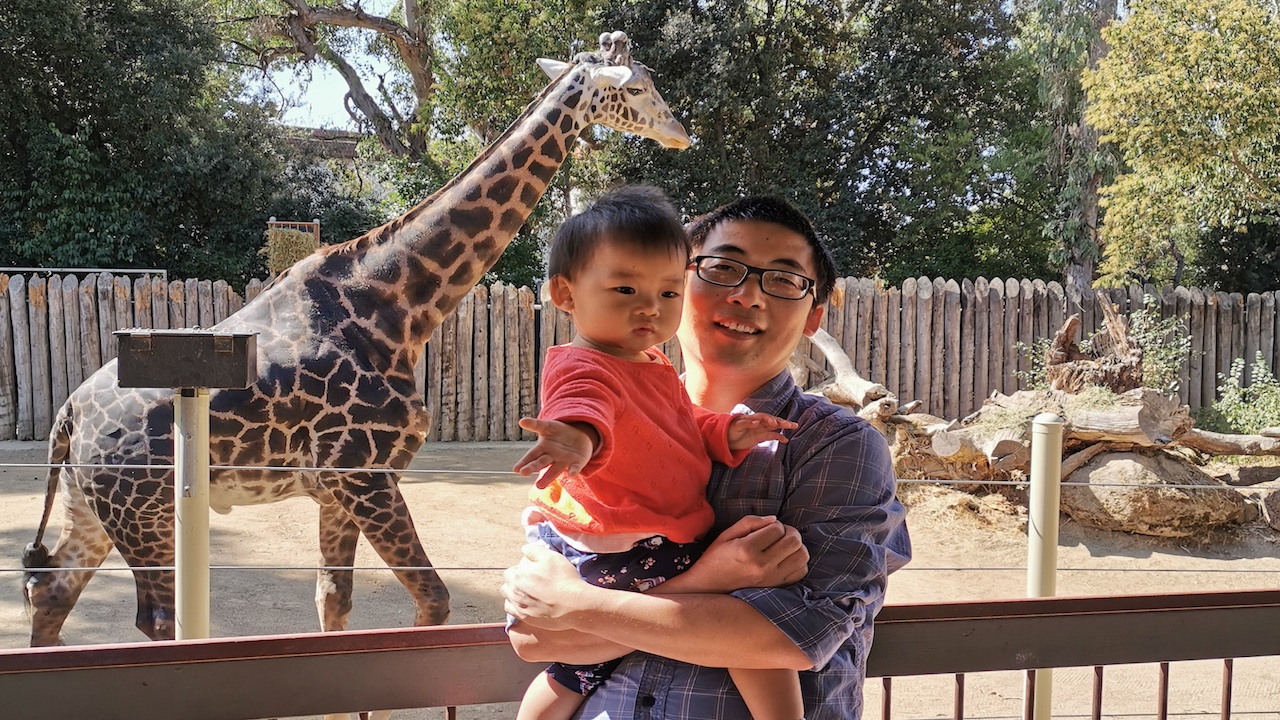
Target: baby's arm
747, 431
560, 447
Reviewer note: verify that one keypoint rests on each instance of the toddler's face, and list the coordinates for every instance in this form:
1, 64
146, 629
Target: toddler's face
626, 300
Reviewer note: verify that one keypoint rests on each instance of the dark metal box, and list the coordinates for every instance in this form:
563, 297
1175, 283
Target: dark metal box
187, 358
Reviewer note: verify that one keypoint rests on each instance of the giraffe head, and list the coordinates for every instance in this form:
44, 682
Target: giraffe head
628, 101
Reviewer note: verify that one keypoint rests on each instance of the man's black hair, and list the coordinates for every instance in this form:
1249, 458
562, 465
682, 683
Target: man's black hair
638, 215
767, 208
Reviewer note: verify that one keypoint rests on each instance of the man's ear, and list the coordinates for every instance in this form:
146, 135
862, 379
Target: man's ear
561, 292
814, 321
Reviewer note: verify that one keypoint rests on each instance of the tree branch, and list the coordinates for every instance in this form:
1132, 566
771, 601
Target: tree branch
1234, 159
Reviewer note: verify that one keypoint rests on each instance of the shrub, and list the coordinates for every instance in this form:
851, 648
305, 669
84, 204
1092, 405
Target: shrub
1244, 409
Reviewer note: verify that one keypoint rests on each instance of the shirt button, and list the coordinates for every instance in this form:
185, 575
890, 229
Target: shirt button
647, 700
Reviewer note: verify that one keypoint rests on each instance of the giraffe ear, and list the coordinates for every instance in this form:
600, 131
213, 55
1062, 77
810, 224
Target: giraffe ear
553, 68
612, 75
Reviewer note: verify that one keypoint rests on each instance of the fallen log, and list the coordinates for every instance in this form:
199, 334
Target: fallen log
1212, 443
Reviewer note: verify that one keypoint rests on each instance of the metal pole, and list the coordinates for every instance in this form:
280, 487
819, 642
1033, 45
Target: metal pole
191, 503
1042, 534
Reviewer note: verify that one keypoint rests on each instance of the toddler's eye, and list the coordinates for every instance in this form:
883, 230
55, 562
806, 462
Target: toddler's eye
626, 290
670, 294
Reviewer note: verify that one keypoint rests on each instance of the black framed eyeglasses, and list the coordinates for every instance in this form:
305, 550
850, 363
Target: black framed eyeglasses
731, 273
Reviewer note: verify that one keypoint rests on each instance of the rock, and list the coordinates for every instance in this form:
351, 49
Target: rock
1271, 509
1130, 492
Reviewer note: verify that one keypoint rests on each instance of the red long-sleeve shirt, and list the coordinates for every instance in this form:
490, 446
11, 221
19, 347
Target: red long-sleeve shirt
649, 474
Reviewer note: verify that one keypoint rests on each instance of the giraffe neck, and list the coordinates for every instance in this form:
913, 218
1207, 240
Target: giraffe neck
405, 277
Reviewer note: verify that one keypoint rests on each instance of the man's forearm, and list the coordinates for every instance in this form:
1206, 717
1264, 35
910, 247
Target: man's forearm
564, 646
707, 630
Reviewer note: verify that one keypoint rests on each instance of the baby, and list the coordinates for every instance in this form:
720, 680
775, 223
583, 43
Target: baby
625, 456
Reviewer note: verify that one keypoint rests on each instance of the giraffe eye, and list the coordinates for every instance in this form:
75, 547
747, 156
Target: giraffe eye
633, 91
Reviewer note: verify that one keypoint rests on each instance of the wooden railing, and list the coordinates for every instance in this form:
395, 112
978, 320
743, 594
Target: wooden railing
470, 664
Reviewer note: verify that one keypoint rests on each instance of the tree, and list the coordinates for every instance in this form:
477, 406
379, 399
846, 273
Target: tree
889, 123
1189, 93
1065, 36
118, 146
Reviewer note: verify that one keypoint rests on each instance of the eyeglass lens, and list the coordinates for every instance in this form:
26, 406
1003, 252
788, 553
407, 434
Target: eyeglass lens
731, 273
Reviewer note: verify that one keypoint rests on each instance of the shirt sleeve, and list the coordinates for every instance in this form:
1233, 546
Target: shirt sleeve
714, 428
842, 500
578, 391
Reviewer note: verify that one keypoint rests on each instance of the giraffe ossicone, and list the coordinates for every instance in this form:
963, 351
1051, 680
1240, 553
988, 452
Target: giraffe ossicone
339, 334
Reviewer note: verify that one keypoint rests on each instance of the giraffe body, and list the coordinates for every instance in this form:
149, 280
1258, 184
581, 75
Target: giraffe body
338, 336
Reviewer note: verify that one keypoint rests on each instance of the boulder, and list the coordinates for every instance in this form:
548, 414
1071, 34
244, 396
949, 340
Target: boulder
1134, 492
1271, 508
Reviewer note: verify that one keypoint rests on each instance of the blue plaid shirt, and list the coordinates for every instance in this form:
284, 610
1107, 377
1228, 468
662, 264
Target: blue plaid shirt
834, 482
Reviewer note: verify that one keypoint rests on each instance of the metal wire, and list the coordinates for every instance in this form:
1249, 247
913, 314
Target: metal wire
125, 568
411, 472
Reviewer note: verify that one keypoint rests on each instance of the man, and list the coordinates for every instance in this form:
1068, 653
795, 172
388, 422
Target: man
756, 286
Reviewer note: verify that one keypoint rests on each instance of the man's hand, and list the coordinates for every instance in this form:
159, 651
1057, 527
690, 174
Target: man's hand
544, 589
753, 552
561, 447
747, 431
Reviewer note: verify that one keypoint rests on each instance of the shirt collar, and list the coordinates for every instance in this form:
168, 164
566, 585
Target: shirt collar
774, 395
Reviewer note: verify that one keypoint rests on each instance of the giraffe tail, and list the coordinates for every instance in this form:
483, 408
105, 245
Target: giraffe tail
35, 554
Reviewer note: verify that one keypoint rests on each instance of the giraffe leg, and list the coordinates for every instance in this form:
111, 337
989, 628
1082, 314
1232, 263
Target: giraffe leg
375, 505
156, 616
143, 533
51, 595
338, 538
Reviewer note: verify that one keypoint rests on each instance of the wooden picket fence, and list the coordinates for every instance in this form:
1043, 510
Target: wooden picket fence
949, 344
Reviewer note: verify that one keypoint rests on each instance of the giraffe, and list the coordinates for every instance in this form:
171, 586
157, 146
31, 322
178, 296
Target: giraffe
339, 334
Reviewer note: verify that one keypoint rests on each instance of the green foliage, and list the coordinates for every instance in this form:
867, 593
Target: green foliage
1063, 37
1235, 261
891, 124
118, 147
1033, 378
1188, 92
1241, 409
1165, 346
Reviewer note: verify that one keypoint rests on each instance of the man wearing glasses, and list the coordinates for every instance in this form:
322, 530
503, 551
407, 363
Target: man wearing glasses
756, 285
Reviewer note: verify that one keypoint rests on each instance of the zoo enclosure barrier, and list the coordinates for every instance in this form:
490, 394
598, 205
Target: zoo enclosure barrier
289, 675
949, 344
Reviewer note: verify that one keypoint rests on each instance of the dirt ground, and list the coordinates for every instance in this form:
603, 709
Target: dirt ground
467, 510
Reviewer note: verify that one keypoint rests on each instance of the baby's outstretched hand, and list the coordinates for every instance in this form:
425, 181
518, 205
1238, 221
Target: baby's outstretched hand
561, 447
747, 431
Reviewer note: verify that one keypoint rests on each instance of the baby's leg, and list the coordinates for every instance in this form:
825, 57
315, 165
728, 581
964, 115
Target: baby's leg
547, 699
770, 694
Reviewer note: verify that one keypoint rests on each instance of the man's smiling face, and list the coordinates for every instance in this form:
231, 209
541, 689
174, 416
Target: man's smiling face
742, 329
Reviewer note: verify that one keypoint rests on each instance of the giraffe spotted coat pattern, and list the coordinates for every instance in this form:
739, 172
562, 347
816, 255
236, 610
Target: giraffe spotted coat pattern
338, 336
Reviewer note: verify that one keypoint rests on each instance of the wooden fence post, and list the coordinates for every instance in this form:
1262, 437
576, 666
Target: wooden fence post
8, 380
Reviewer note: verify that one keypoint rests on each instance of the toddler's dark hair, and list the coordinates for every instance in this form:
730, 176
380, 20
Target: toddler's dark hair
638, 215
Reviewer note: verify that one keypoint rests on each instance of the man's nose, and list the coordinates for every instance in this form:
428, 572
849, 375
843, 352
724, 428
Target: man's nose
749, 292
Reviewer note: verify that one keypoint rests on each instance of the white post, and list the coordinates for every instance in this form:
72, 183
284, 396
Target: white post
191, 503
1042, 535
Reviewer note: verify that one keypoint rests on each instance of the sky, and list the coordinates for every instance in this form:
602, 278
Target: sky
319, 105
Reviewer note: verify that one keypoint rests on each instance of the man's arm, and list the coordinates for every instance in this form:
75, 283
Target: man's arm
755, 551
546, 591
841, 496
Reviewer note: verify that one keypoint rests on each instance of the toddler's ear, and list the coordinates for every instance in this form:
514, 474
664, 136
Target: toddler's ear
561, 292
